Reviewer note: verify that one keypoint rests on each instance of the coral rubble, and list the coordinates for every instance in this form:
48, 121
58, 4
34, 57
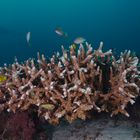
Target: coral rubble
71, 85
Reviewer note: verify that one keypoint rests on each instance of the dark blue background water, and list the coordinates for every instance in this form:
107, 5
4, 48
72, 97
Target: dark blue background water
115, 22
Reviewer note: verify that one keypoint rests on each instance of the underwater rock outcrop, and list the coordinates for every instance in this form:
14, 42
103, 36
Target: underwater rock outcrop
71, 85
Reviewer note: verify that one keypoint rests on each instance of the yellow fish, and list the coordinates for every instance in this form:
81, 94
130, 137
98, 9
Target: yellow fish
3, 78
73, 46
48, 106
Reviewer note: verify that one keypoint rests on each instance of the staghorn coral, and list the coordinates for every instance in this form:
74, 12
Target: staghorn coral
71, 85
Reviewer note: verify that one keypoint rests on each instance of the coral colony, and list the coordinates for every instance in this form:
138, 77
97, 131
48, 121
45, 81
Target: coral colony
72, 85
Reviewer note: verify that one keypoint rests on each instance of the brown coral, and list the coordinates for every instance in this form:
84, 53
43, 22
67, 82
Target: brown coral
72, 84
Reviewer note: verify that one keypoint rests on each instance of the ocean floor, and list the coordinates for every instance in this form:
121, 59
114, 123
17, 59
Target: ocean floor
99, 129
102, 127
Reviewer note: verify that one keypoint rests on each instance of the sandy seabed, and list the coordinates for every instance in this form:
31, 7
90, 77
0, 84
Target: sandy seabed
103, 128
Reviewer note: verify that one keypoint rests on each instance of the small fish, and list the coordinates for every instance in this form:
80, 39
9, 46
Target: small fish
73, 46
48, 106
79, 40
60, 32
3, 78
28, 36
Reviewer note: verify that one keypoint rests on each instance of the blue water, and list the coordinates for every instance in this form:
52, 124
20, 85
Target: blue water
115, 22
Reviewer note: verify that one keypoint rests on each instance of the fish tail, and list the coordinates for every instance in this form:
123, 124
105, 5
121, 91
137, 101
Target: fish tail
29, 44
